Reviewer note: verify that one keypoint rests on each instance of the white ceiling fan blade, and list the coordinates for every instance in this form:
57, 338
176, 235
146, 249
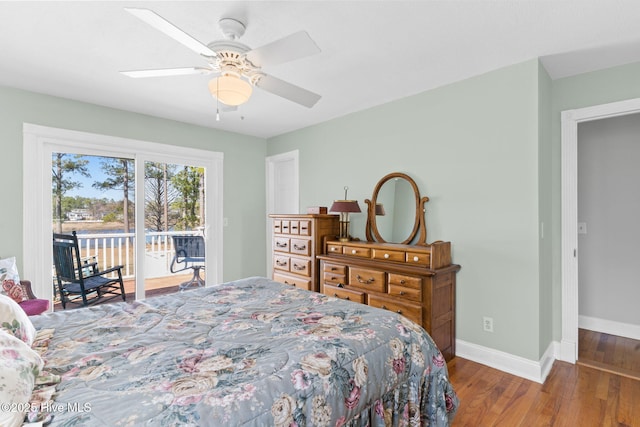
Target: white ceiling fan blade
297, 45
161, 24
164, 72
288, 91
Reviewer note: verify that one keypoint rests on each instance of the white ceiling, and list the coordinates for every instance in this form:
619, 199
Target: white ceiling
373, 52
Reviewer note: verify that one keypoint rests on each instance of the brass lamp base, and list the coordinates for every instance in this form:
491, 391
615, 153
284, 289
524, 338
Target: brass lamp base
344, 231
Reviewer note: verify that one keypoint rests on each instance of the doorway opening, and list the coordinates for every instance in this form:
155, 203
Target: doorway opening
609, 322
569, 248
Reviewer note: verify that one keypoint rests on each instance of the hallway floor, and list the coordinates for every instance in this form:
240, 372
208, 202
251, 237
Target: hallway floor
609, 353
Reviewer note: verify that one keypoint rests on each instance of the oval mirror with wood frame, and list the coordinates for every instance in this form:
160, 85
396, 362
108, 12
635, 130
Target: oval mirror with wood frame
395, 213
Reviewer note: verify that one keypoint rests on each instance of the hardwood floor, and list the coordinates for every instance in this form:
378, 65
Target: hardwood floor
610, 353
572, 396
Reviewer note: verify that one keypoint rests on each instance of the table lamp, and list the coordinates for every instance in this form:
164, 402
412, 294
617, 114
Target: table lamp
344, 207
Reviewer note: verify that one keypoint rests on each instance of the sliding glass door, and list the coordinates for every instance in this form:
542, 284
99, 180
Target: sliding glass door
146, 192
94, 196
175, 225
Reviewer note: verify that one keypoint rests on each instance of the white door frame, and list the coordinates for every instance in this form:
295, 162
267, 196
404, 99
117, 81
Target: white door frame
271, 165
569, 146
39, 144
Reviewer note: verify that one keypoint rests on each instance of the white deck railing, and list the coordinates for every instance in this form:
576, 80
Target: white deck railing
110, 249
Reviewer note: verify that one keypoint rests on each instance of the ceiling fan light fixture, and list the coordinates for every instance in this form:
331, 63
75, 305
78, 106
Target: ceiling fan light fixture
239, 66
230, 90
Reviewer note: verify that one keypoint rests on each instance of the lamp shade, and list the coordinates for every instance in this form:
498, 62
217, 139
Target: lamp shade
230, 90
345, 206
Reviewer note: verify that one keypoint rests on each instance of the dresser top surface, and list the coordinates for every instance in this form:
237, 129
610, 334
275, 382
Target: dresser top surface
389, 246
302, 216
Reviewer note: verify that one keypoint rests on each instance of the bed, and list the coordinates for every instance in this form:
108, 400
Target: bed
252, 352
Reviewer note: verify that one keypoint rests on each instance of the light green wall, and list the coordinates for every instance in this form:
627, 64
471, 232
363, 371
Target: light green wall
244, 195
472, 147
545, 208
485, 150
487, 153
585, 90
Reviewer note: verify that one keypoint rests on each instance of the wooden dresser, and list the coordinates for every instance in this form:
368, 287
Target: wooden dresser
297, 240
418, 282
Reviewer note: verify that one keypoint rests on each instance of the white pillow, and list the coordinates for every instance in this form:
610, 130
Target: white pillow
19, 367
15, 321
10, 280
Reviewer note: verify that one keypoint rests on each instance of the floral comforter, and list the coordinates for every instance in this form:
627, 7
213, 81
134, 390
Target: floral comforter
247, 353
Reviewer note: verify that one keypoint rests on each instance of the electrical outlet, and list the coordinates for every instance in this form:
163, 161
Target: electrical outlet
487, 324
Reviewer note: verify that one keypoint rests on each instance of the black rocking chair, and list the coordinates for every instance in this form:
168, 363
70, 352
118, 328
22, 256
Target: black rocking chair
81, 281
189, 251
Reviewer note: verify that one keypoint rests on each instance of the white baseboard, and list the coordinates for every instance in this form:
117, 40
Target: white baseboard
538, 370
610, 327
567, 351
532, 370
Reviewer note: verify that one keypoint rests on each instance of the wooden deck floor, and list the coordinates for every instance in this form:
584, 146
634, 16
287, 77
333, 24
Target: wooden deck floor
153, 287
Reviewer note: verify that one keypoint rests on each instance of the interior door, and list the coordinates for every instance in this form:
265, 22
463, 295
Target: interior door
282, 192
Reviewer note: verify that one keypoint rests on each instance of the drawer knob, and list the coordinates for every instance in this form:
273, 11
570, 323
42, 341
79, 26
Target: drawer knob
402, 282
386, 256
347, 298
299, 267
384, 306
333, 248
353, 251
299, 248
416, 259
365, 282
335, 295
399, 311
401, 292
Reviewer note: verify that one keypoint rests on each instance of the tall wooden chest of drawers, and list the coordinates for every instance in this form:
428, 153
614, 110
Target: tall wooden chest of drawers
297, 240
418, 282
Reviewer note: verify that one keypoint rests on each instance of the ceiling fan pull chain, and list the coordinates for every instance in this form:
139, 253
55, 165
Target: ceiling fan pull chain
217, 102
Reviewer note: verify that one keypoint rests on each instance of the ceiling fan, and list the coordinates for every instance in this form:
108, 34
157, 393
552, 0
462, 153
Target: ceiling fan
237, 67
